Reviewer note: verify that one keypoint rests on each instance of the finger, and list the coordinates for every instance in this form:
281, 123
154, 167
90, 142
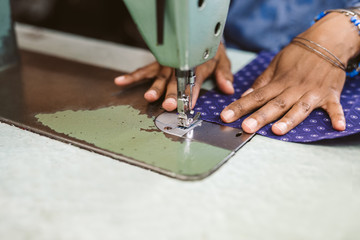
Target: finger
223, 75
271, 111
170, 102
297, 114
202, 73
148, 71
196, 93
264, 78
336, 114
205, 70
157, 89
250, 102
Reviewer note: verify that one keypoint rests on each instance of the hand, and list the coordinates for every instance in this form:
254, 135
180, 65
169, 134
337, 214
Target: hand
297, 81
165, 80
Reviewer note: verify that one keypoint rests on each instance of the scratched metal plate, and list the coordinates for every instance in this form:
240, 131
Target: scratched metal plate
46, 84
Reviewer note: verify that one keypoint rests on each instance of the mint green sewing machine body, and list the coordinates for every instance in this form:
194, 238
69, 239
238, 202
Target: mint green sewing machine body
8, 53
191, 31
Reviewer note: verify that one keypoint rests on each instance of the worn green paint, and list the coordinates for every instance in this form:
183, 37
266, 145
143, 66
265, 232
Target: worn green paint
123, 130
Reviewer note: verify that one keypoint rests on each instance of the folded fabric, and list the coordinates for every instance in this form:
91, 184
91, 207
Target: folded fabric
314, 128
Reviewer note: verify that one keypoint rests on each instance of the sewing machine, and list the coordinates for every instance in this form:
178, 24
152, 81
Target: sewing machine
181, 34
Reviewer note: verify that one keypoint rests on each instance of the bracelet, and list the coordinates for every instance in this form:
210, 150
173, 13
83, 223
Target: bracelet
342, 65
354, 16
306, 43
353, 66
355, 10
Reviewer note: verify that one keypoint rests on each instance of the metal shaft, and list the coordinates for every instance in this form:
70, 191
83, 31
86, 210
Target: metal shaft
184, 78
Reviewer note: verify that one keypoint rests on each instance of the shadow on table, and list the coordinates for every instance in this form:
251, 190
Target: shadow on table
352, 140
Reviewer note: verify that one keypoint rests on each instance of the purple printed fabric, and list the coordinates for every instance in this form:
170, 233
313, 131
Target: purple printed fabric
314, 128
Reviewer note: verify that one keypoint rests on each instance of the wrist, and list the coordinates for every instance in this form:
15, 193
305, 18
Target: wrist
335, 31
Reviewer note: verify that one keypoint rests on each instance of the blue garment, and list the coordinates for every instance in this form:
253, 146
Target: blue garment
314, 128
256, 25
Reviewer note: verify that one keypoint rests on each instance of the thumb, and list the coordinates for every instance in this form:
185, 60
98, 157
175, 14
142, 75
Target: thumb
264, 78
223, 75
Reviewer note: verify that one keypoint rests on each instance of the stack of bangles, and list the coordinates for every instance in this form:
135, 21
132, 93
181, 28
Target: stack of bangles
353, 66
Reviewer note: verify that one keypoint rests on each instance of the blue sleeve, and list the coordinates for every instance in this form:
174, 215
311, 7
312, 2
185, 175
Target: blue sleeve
353, 3
257, 25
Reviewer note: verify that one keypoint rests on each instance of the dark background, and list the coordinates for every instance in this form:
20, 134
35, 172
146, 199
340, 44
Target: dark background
101, 19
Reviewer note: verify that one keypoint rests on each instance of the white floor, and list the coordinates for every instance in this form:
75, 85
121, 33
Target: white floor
269, 190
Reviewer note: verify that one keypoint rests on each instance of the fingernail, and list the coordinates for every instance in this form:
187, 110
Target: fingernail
230, 84
342, 124
151, 94
119, 79
251, 123
227, 115
247, 92
281, 126
170, 101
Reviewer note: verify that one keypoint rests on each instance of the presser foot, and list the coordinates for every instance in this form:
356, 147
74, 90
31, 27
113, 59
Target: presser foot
186, 121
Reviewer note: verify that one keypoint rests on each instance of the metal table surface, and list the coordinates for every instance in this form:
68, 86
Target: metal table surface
268, 190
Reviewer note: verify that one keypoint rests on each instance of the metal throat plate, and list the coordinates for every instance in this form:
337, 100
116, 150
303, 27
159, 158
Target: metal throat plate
206, 132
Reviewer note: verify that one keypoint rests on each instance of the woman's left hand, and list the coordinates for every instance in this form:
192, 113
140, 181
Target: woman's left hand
297, 81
